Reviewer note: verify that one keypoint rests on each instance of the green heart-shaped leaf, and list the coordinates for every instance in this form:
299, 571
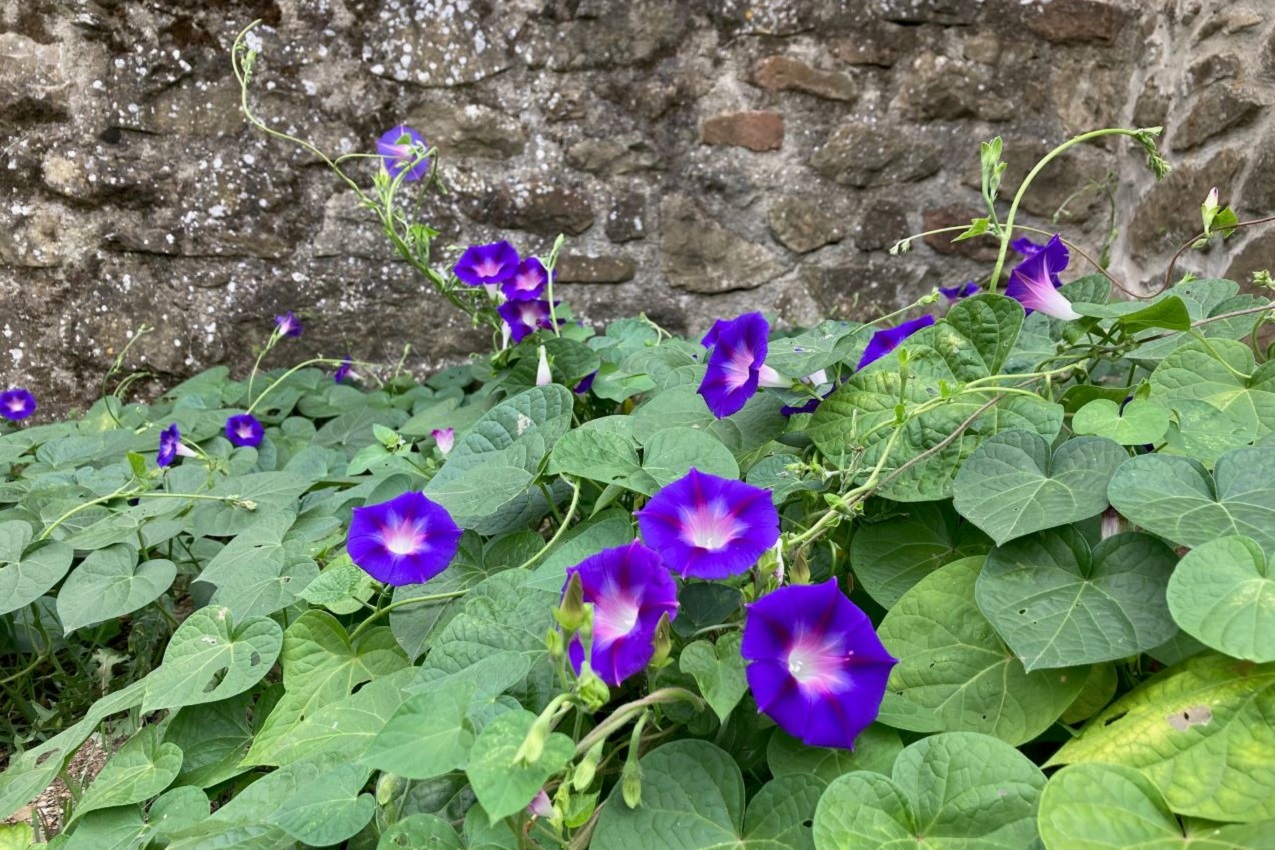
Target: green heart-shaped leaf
1140, 422
1223, 594
693, 799
26, 572
207, 660
502, 784
1011, 485
1200, 731
327, 809
718, 669
953, 791
1176, 498
1112, 807
952, 662
109, 584
141, 769
1223, 373
1058, 605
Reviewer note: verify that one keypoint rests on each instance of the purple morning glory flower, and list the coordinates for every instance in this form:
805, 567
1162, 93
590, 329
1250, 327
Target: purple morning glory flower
487, 265
407, 540
525, 317
343, 371
1034, 282
399, 148
1026, 247
586, 383
808, 407
288, 324
16, 403
528, 281
956, 293
709, 527
630, 590
170, 446
883, 342
244, 430
817, 667
734, 365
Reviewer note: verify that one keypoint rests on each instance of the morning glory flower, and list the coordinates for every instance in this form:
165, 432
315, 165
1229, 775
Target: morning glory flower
343, 371
399, 148
16, 403
1029, 249
630, 590
736, 363
445, 438
1034, 282
708, 527
487, 265
525, 317
817, 667
244, 430
407, 540
287, 324
885, 341
586, 383
955, 293
170, 446
528, 281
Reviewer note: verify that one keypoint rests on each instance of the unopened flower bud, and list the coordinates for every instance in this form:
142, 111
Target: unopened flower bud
593, 691
554, 643
571, 613
663, 642
540, 806
388, 787
799, 569
543, 375
587, 769
631, 782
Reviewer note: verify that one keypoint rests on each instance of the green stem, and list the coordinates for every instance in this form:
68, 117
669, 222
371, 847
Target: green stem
277, 381
122, 492
400, 603
39, 659
1008, 229
625, 712
562, 526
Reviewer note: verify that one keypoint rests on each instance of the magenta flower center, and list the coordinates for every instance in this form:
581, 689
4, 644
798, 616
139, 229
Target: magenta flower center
402, 536
527, 280
711, 525
16, 405
488, 268
818, 663
614, 617
738, 368
244, 430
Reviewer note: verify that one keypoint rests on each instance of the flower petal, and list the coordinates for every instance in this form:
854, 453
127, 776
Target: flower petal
407, 540
885, 341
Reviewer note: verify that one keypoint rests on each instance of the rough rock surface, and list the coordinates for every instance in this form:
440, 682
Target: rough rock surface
704, 157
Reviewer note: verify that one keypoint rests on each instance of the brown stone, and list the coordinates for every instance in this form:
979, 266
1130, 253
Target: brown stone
944, 12
469, 129
956, 215
627, 220
1076, 21
782, 73
757, 131
624, 154
1217, 109
803, 223
579, 268
868, 287
699, 255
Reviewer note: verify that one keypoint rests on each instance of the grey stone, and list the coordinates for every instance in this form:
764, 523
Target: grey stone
33, 79
862, 154
699, 255
940, 89
449, 45
946, 12
581, 268
1168, 214
627, 220
867, 288
1217, 109
956, 215
623, 154
881, 224
469, 129
542, 207
803, 223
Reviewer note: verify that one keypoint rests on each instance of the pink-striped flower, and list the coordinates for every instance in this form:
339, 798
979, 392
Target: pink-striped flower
1034, 282
445, 438
709, 527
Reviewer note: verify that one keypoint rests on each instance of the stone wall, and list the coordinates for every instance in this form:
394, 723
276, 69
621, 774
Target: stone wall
704, 157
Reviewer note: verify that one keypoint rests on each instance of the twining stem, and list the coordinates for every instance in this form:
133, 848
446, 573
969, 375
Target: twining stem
1168, 273
626, 712
125, 493
1008, 228
400, 603
311, 362
562, 526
